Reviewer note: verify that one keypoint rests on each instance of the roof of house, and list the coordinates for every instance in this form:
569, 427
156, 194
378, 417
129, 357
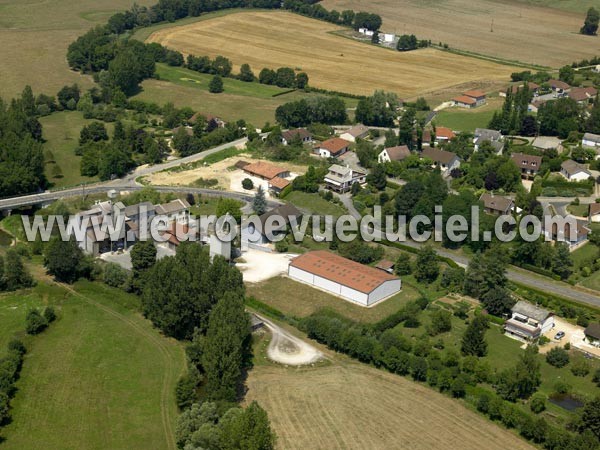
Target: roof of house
496, 203
529, 310
206, 116
357, 131
557, 84
591, 137
339, 173
593, 330
284, 211
464, 99
572, 167
398, 153
279, 183
340, 270
172, 207
594, 209
385, 264
264, 169
475, 93
334, 145
580, 94
439, 156
301, 133
134, 210
443, 132
524, 161
484, 134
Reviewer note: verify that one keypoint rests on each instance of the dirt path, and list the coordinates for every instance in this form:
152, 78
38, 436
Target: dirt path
168, 379
287, 349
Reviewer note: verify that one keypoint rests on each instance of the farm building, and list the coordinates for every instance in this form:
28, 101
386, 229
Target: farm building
529, 164
446, 161
302, 134
341, 178
528, 322
265, 170
397, 153
493, 204
573, 171
387, 38
176, 211
333, 147
470, 99
347, 279
356, 132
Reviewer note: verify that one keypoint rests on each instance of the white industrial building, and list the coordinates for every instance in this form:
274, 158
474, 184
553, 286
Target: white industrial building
344, 278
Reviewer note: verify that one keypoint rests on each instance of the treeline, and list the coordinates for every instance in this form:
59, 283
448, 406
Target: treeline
21, 155
300, 113
348, 18
13, 273
408, 42
205, 135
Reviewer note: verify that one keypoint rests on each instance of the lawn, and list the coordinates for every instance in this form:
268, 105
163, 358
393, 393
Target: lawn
584, 254
579, 210
99, 377
300, 300
315, 204
461, 119
331, 61
61, 133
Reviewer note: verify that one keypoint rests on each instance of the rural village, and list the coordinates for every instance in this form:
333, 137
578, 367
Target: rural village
275, 118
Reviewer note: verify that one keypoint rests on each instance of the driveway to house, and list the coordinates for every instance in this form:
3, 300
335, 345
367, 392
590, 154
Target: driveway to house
574, 335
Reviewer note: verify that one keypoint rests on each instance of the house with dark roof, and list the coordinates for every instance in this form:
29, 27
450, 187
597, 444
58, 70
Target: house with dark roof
529, 165
592, 334
583, 95
259, 232
446, 161
333, 147
176, 211
528, 322
494, 137
356, 132
300, 134
397, 153
574, 171
591, 140
357, 283
341, 178
496, 204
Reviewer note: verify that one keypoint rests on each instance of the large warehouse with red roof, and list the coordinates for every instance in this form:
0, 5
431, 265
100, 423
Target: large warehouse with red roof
350, 280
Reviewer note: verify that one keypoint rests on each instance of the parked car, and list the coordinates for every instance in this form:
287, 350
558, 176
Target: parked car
559, 335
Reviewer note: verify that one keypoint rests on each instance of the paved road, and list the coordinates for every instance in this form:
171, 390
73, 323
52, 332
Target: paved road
519, 276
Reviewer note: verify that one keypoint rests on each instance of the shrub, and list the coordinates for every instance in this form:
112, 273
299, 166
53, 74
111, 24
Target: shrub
596, 378
543, 340
15, 345
537, 404
49, 314
562, 387
580, 368
557, 357
115, 275
247, 184
35, 323
458, 388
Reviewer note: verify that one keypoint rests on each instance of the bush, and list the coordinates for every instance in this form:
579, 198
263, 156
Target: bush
185, 391
562, 387
580, 368
557, 357
15, 345
596, 378
35, 323
543, 340
49, 314
537, 404
115, 275
247, 184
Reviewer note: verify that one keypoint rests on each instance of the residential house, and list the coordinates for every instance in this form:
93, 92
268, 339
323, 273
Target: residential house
341, 178
211, 120
333, 147
366, 32
591, 140
573, 240
259, 232
175, 211
592, 334
443, 134
528, 322
390, 154
352, 281
276, 185
387, 38
528, 164
446, 161
583, 95
594, 213
266, 170
356, 132
495, 204
559, 87
494, 137
574, 171
300, 134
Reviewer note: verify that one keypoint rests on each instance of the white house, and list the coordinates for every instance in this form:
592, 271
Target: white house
357, 283
341, 178
387, 38
356, 132
333, 147
528, 322
390, 154
573, 171
591, 140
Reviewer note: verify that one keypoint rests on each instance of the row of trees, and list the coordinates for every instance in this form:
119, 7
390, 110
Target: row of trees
348, 18
378, 110
321, 109
10, 369
13, 273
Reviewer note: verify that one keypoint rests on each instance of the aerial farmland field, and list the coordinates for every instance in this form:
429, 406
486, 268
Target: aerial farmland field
275, 39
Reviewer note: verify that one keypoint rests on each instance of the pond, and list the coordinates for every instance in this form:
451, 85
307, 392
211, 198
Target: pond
566, 401
5, 239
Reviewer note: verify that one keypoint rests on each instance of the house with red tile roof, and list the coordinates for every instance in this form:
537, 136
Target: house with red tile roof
333, 147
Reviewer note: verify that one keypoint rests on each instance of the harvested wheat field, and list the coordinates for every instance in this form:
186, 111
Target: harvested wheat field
348, 405
274, 39
521, 32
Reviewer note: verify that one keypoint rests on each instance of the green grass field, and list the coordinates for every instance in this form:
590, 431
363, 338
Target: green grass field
460, 119
61, 132
314, 204
99, 377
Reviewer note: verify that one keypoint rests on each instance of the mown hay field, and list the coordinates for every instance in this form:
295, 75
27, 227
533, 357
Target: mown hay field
522, 31
275, 38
